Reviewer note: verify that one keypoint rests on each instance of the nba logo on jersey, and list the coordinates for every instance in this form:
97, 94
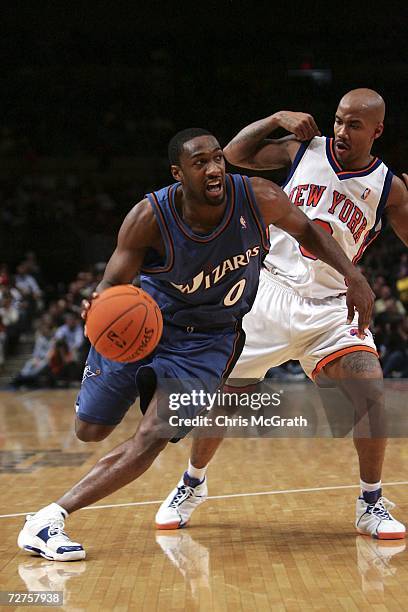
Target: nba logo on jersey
354, 332
243, 222
365, 193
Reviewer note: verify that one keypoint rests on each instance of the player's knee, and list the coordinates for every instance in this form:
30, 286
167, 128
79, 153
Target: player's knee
91, 432
154, 433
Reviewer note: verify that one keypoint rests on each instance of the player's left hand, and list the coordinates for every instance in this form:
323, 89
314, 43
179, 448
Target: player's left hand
405, 177
85, 306
359, 297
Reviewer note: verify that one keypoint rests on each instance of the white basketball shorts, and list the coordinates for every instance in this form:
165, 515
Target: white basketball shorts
282, 325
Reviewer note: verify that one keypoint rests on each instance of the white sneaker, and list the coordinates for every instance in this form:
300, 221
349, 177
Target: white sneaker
376, 521
43, 534
177, 508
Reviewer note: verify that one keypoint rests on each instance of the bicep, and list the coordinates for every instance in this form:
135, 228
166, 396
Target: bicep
398, 218
270, 154
139, 231
290, 219
397, 209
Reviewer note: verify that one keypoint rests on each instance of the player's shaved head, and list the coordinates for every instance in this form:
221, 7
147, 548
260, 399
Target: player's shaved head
364, 102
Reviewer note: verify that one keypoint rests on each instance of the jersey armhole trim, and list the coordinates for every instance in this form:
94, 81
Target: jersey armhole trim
168, 242
301, 151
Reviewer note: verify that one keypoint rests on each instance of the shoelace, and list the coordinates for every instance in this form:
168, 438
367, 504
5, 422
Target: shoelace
56, 528
183, 493
380, 508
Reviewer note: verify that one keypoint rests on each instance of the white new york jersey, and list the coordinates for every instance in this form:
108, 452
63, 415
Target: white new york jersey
348, 204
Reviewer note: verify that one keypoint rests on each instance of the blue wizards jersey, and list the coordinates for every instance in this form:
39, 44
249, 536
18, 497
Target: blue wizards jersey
208, 281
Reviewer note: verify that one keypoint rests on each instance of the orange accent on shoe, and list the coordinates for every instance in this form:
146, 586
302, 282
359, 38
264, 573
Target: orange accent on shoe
170, 525
391, 536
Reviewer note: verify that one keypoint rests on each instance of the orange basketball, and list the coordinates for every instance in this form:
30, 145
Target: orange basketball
124, 323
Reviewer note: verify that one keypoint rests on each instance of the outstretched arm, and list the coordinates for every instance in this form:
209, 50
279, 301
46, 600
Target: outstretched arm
277, 209
397, 207
251, 147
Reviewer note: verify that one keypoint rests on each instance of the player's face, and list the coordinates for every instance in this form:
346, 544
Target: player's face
202, 170
354, 133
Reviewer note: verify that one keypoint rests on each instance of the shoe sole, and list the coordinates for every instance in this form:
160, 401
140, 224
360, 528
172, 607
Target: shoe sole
384, 536
35, 546
171, 526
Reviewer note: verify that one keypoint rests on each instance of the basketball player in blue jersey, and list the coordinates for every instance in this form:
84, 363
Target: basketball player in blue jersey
300, 312
199, 245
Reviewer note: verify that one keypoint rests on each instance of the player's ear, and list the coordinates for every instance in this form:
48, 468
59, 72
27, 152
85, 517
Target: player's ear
378, 130
176, 172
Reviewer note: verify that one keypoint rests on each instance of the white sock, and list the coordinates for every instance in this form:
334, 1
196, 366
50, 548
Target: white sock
194, 472
53, 509
369, 486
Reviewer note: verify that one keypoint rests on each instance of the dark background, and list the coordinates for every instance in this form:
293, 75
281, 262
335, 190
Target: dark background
91, 95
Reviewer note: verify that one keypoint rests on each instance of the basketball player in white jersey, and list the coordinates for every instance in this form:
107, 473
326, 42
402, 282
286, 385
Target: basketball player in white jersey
300, 311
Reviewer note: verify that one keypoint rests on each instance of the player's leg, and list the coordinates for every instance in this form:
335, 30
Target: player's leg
108, 390
336, 352
267, 329
43, 532
358, 374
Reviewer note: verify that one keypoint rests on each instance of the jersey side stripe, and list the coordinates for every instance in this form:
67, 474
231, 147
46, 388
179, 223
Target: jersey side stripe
255, 213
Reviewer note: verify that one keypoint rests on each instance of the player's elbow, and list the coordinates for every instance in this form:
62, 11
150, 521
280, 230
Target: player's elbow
230, 154
234, 156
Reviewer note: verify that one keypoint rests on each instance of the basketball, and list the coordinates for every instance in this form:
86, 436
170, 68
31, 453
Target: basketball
124, 323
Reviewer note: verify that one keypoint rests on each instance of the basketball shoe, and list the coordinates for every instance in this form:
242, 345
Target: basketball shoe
180, 504
43, 534
374, 519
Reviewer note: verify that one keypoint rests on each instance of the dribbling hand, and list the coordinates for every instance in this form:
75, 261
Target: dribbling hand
85, 306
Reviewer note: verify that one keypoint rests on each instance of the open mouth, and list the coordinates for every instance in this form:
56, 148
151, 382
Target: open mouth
341, 146
214, 187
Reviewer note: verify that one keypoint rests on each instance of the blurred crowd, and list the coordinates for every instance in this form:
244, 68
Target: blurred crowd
52, 318
31, 306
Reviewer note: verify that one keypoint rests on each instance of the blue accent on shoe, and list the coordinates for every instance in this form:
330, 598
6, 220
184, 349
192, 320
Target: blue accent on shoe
44, 534
192, 482
63, 549
33, 549
371, 497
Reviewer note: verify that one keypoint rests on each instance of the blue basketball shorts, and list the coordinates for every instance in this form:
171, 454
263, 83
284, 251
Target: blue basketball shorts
109, 388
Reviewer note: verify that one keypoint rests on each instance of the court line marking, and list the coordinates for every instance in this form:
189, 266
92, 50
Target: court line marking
228, 496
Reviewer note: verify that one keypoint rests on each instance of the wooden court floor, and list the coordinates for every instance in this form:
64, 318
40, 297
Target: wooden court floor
277, 533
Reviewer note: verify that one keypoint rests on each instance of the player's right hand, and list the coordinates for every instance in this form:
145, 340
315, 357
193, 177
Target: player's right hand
302, 125
360, 297
85, 306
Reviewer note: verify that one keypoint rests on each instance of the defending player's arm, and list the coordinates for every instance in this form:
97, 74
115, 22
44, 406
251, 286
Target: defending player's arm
251, 147
397, 208
277, 209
